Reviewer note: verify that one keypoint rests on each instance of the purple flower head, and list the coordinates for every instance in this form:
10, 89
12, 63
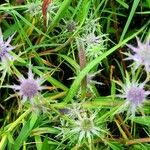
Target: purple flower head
5, 48
134, 94
29, 87
141, 54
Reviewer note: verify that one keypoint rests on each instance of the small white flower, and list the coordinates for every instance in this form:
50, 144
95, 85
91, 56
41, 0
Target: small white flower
5, 48
29, 87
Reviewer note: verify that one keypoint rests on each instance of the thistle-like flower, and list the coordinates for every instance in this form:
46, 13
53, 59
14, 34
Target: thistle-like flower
5, 48
94, 41
29, 87
95, 45
141, 55
134, 94
85, 127
81, 126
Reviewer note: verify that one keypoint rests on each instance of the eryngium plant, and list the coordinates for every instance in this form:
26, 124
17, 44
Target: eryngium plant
141, 54
5, 48
29, 87
81, 127
134, 94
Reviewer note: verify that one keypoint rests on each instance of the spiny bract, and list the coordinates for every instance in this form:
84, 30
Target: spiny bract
141, 55
5, 48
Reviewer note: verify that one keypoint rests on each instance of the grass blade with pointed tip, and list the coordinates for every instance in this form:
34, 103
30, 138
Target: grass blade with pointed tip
25, 131
61, 12
134, 6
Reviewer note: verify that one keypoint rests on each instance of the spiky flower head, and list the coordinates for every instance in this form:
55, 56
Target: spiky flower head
90, 81
141, 55
85, 127
5, 48
95, 45
93, 38
134, 93
81, 125
29, 87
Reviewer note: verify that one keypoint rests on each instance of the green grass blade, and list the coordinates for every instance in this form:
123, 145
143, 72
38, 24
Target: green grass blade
121, 2
25, 131
134, 6
142, 120
71, 62
82, 15
60, 13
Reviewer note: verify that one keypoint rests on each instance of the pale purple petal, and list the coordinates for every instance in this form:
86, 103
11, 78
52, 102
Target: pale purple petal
11, 48
139, 43
134, 94
142, 54
5, 48
29, 87
132, 47
1, 37
30, 74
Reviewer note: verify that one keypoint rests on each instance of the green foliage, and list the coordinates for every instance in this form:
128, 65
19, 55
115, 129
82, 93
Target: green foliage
78, 105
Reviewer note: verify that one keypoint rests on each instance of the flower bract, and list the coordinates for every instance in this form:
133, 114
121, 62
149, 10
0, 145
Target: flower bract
5, 48
141, 54
134, 93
